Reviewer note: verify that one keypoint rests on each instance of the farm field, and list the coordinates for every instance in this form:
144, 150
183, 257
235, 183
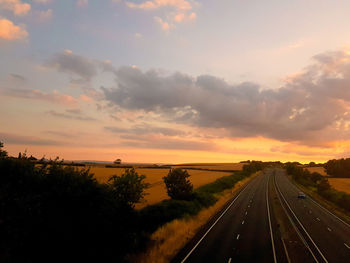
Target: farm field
319, 170
212, 166
340, 184
157, 191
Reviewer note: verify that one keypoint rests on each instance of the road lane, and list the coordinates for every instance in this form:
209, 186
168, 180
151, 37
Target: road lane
329, 233
242, 234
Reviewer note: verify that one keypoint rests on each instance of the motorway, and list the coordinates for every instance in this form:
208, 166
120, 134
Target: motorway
327, 235
241, 234
244, 230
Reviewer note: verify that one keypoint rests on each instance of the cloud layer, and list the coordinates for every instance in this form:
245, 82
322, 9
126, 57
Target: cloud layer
312, 106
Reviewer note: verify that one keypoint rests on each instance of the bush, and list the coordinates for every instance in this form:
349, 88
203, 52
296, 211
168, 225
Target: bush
177, 184
55, 212
129, 187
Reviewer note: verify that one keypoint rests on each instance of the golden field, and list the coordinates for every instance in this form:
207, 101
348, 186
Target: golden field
213, 166
157, 191
340, 184
319, 170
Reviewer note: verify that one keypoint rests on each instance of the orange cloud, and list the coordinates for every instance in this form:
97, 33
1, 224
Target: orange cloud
182, 17
16, 6
164, 25
10, 31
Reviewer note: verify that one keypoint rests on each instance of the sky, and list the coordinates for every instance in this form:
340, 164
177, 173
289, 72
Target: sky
175, 81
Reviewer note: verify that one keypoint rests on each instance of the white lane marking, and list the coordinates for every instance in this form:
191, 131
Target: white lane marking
268, 216
248, 206
243, 222
312, 241
246, 213
346, 245
318, 219
229, 260
206, 233
286, 251
292, 222
325, 209
329, 229
237, 237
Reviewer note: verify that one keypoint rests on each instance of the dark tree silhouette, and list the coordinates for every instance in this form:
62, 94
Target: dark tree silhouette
177, 184
129, 187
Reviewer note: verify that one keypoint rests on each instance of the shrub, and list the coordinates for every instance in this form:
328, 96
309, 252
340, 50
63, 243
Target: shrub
177, 184
129, 187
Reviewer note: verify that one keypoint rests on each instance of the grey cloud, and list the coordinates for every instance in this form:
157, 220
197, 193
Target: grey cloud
17, 77
165, 143
70, 116
146, 129
74, 64
26, 140
306, 107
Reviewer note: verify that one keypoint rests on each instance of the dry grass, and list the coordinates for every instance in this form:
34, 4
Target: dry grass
319, 170
170, 238
340, 184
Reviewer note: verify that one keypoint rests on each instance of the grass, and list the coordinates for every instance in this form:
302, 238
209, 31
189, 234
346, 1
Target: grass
319, 170
340, 184
167, 241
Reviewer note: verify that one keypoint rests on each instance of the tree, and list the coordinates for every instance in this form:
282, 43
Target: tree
177, 184
3, 154
117, 161
129, 187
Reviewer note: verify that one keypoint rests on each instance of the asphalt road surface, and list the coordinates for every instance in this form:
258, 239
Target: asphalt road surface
241, 234
243, 231
327, 235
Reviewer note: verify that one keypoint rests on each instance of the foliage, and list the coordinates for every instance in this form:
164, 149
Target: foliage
128, 188
177, 184
338, 168
64, 212
3, 153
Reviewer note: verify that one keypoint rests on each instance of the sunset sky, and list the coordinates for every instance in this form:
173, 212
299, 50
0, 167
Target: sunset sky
171, 81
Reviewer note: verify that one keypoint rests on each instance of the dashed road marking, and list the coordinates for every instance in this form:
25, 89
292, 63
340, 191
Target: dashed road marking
248, 205
347, 245
318, 219
229, 260
243, 222
237, 237
329, 229
246, 213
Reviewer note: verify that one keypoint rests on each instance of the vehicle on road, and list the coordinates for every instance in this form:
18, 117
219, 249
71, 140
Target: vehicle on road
301, 195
